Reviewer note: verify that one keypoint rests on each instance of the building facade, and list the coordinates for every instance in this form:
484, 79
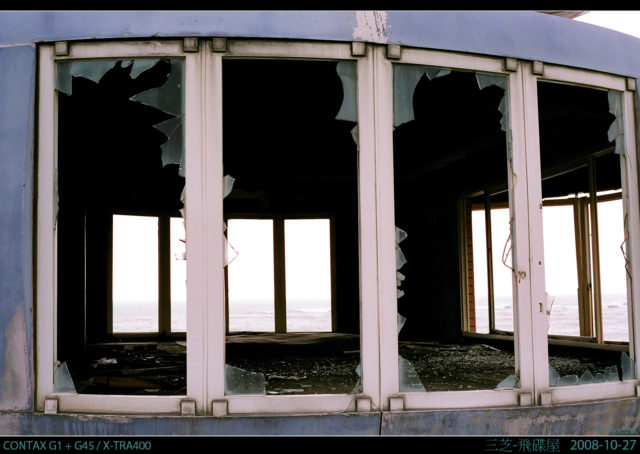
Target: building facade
476, 174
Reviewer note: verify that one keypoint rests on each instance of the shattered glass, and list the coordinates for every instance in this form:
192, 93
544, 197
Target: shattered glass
62, 381
240, 381
409, 379
616, 130
511, 382
611, 374
487, 80
434, 73
628, 367
554, 376
167, 96
405, 80
567, 380
348, 72
587, 378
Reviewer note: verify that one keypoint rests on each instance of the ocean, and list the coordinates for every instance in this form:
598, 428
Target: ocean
302, 316
563, 319
316, 316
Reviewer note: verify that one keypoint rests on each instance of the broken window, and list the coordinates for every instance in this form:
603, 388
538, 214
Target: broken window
293, 275
585, 234
121, 304
451, 172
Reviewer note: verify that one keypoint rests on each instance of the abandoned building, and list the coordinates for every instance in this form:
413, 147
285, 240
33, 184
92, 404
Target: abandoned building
317, 222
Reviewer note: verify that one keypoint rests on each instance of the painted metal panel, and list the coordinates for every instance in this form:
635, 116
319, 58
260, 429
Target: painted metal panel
579, 419
521, 34
41, 424
17, 89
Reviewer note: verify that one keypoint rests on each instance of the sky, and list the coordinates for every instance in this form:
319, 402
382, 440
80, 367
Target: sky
623, 21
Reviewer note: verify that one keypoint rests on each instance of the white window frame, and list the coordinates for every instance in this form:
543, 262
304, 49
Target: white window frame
241, 48
378, 324
46, 288
523, 346
629, 177
205, 267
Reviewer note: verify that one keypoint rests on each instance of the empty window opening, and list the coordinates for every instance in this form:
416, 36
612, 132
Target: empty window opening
135, 274
290, 143
250, 275
308, 274
584, 234
613, 271
120, 180
440, 270
497, 316
561, 269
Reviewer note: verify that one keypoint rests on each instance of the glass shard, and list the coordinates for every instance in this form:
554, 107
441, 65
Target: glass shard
586, 378
401, 321
401, 235
62, 381
628, 367
611, 373
348, 71
568, 380
409, 379
511, 382
616, 130
358, 388
228, 185
240, 381
554, 376
434, 73
405, 80
400, 258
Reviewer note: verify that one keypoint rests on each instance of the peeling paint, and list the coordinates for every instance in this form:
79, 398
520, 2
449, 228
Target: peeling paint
14, 383
372, 27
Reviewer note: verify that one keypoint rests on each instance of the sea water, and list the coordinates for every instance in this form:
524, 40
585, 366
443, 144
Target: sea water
313, 316
563, 316
302, 316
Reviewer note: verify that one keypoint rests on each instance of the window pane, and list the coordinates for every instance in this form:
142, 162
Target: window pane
480, 284
120, 149
250, 275
308, 274
561, 269
449, 144
135, 274
291, 144
612, 272
502, 274
579, 161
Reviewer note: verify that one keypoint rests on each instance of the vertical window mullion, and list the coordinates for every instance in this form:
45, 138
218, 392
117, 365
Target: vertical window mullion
379, 335
164, 276
213, 217
195, 223
630, 194
531, 323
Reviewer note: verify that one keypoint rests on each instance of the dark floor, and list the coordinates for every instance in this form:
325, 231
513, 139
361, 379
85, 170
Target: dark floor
308, 363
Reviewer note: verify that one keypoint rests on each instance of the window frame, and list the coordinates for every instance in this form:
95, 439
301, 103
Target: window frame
46, 255
274, 49
629, 180
378, 314
386, 255
205, 266
279, 278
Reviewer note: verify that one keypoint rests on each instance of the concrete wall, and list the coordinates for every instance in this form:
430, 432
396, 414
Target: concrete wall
520, 34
